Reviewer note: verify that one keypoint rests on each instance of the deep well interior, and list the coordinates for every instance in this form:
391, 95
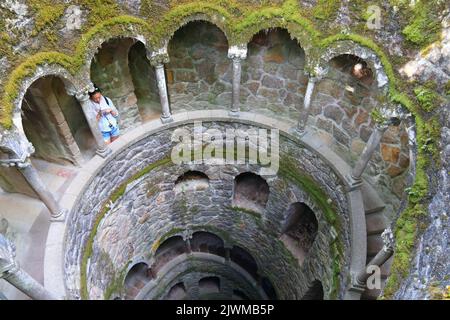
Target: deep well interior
352, 119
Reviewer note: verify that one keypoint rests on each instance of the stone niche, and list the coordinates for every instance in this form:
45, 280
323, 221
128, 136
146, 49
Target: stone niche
199, 73
273, 78
149, 210
110, 71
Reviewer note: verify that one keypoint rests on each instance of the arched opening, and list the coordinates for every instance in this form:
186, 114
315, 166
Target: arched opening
273, 77
177, 292
136, 279
315, 291
251, 192
299, 230
209, 285
269, 289
207, 242
55, 124
169, 249
244, 259
199, 73
191, 181
144, 81
110, 71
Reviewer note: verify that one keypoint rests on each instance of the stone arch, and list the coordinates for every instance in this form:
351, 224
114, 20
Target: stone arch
245, 260
199, 72
273, 75
177, 292
207, 242
250, 192
53, 120
110, 71
303, 39
338, 48
169, 249
71, 83
143, 76
299, 230
191, 181
209, 285
107, 31
216, 20
135, 279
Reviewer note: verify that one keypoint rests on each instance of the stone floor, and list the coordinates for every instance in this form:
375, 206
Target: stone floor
29, 222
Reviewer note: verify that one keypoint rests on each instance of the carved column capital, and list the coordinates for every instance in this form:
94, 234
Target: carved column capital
388, 240
8, 264
158, 57
237, 52
17, 149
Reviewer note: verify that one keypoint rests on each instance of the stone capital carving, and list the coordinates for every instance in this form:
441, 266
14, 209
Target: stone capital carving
83, 94
17, 149
7, 257
158, 57
237, 52
388, 240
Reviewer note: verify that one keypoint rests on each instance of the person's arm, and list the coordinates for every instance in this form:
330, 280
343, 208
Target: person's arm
113, 108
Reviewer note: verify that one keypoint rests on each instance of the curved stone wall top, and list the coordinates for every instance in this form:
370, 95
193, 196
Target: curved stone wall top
349, 47
155, 35
90, 173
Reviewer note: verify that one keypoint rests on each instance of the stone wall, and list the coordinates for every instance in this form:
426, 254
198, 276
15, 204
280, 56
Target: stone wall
110, 71
149, 209
144, 81
191, 269
342, 119
273, 78
199, 73
45, 124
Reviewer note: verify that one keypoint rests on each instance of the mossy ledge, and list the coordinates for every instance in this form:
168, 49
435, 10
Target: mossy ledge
117, 193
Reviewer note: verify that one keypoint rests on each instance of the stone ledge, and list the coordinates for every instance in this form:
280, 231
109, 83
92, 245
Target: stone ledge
55, 250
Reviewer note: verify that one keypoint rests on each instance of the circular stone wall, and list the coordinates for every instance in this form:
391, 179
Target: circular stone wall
130, 207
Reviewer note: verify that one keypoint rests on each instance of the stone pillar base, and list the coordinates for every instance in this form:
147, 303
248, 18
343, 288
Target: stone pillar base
61, 217
167, 119
354, 183
103, 152
233, 113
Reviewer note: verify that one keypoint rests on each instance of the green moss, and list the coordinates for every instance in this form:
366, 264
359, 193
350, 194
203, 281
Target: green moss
246, 211
99, 10
116, 284
103, 211
406, 230
428, 99
424, 27
289, 170
46, 14
326, 9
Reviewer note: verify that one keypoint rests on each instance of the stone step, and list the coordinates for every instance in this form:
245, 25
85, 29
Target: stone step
374, 244
375, 223
371, 199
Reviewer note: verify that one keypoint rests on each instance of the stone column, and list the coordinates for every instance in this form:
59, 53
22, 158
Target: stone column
236, 54
33, 178
379, 259
157, 59
12, 273
19, 151
307, 102
368, 151
102, 149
